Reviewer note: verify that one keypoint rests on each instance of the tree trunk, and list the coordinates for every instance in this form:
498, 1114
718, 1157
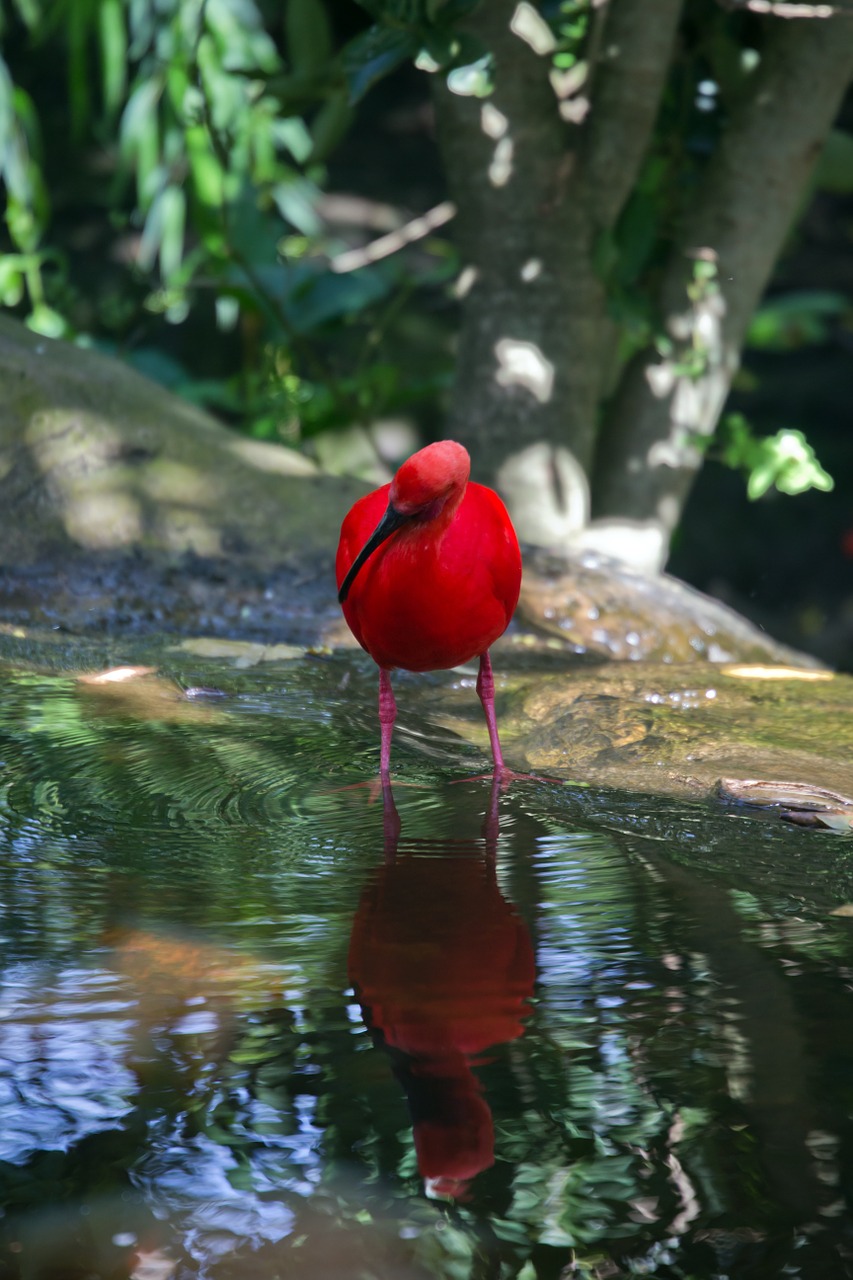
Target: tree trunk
534, 190
539, 172
527, 371
648, 456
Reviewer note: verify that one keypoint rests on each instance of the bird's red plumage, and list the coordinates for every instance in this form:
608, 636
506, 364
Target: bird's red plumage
436, 593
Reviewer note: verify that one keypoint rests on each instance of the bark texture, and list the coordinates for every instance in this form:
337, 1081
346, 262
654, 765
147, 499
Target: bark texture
627, 82
510, 173
533, 191
647, 459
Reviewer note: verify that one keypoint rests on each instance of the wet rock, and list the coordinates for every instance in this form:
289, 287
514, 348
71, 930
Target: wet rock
674, 730
127, 509
598, 606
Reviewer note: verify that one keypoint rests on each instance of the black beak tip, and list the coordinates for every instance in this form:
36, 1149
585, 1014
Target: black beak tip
390, 522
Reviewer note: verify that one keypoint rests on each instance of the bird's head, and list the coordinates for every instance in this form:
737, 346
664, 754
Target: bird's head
429, 484
431, 477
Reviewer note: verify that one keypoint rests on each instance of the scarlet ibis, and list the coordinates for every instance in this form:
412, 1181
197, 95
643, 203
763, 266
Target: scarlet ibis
428, 572
443, 968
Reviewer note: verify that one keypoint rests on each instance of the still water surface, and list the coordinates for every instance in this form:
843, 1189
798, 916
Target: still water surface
258, 1021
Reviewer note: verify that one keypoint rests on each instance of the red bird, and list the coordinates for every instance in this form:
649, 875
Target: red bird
428, 572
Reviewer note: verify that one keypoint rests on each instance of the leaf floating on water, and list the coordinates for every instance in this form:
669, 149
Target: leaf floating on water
746, 671
153, 1264
246, 653
139, 692
116, 675
824, 821
783, 795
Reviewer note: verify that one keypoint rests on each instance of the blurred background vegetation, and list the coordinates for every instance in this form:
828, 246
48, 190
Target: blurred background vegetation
246, 200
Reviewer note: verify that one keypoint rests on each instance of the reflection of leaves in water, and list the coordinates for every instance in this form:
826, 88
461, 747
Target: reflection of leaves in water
574, 1158
124, 744
615, 1107
72, 756
196, 765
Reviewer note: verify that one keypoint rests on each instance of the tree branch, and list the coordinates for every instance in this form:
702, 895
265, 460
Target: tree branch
747, 200
627, 85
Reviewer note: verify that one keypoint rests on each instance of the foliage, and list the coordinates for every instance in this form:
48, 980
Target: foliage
795, 320
214, 138
196, 134
26, 204
785, 461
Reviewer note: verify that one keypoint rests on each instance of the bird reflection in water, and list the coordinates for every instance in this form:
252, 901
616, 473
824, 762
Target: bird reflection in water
443, 968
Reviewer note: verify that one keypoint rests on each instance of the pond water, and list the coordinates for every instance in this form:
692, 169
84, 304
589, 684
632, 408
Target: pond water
259, 1020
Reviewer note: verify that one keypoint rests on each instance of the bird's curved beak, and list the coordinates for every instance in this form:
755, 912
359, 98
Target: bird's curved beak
390, 523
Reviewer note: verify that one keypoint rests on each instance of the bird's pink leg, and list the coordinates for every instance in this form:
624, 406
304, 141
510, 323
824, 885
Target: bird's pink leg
502, 775
486, 694
387, 716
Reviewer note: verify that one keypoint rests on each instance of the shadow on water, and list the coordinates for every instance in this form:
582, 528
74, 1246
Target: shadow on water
253, 1024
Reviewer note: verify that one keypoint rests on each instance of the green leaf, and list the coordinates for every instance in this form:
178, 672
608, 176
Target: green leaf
11, 280
785, 461
329, 126
789, 462
313, 297
29, 11
242, 43
374, 53
113, 34
309, 36
205, 167
795, 320
26, 207
25, 110
295, 201
139, 137
739, 445
163, 234
178, 88
292, 133
25, 226
46, 321
264, 164
760, 480
834, 170
173, 217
